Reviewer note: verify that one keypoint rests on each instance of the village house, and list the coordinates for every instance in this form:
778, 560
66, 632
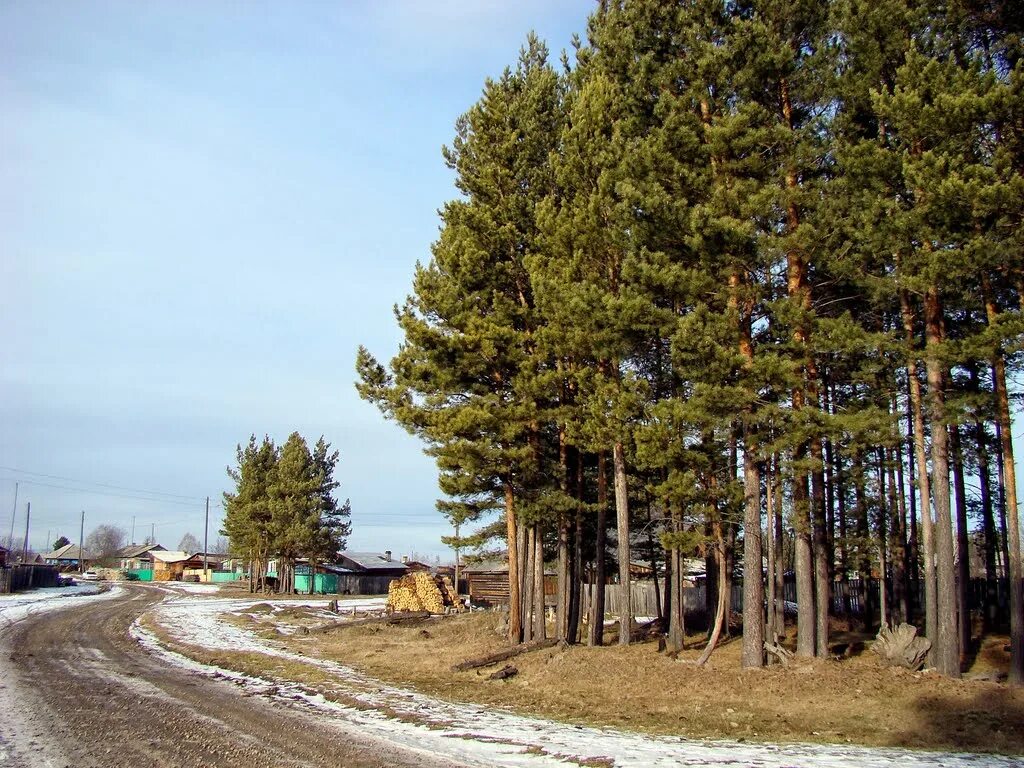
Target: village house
367, 573
68, 558
138, 557
171, 566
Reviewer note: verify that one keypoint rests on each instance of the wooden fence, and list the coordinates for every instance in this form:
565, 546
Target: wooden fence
849, 598
18, 577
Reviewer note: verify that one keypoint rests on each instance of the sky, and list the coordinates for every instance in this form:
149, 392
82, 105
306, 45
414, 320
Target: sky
204, 209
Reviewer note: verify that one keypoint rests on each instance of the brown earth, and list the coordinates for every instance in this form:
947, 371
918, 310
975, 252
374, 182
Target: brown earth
852, 700
75, 689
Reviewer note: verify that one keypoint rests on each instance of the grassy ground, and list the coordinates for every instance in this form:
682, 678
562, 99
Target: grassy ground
852, 700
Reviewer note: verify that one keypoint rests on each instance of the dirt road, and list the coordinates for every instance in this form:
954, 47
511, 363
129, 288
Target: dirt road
75, 689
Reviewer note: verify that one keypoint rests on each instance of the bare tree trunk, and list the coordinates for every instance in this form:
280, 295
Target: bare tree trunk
596, 634
946, 651
539, 601
963, 574
753, 578
883, 560
805, 619
923, 480
716, 630
780, 556
904, 552
528, 536
515, 625
771, 631
988, 523
1016, 672
622, 533
577, 556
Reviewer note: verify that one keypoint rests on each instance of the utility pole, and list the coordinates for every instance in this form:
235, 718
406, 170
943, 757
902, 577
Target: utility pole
133, 530
206, 539
152, 533
14, 514
28, 516
46, 544
81, 544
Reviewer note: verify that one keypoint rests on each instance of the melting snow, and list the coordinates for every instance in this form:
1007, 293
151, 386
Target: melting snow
476, 735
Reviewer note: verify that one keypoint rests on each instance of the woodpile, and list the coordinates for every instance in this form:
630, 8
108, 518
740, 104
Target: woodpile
420, 592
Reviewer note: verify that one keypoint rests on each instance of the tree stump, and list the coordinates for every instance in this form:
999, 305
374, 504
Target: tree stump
901, 647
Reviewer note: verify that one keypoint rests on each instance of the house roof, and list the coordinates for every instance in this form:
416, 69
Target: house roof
487, 566
373, 561
135, 550
67, 552
166, 556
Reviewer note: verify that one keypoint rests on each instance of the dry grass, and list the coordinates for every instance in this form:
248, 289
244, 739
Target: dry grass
853, 700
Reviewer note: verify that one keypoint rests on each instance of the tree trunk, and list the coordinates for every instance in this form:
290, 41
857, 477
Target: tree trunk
515, 626
780, 558
596, 634
539, 600
753, 579
963, 573
946, 646
622, 533
923, 480
771, 631
883, 559
1016, 672
716, 630
988, 524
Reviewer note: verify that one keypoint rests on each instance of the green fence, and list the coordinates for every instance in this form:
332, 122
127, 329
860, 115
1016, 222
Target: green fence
221, 577
139, 575
326, 583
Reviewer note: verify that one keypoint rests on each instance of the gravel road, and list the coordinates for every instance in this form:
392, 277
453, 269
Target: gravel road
75, 689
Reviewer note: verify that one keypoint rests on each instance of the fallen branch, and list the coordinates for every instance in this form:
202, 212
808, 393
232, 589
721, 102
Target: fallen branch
508, 653
779, 652
507, 671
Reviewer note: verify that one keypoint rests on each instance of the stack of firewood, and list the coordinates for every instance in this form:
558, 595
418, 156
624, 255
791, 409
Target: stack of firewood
418, 592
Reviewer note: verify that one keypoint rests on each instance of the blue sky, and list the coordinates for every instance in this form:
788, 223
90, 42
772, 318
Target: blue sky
204, 209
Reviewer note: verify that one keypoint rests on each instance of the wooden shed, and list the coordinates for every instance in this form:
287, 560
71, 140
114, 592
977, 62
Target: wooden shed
487, 583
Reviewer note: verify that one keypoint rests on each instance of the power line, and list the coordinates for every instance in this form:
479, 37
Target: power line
150, 499
102, 485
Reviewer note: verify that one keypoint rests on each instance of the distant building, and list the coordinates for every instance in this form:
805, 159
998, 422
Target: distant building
138, 557
68, 557
170, 566
372, 564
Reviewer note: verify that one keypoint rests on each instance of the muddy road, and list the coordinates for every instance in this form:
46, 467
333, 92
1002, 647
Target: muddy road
75, 689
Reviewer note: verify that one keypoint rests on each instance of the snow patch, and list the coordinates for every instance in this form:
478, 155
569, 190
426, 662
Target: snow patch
484, 736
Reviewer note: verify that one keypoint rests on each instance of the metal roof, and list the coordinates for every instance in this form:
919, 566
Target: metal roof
373, 561
67, 552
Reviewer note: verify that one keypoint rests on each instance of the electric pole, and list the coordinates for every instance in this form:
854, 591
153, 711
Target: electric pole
14, 514
81, 544
133, 530
206, 539
152, 533
28, 516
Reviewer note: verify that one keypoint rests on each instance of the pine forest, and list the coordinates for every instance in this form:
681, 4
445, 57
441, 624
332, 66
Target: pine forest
740, 281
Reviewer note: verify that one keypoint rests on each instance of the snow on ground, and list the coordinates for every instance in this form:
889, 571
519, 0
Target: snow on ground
477, 735
14, 608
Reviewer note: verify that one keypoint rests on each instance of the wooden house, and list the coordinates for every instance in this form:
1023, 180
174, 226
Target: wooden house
171, 566
138, 557
367, 573
68, 558
487, 583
